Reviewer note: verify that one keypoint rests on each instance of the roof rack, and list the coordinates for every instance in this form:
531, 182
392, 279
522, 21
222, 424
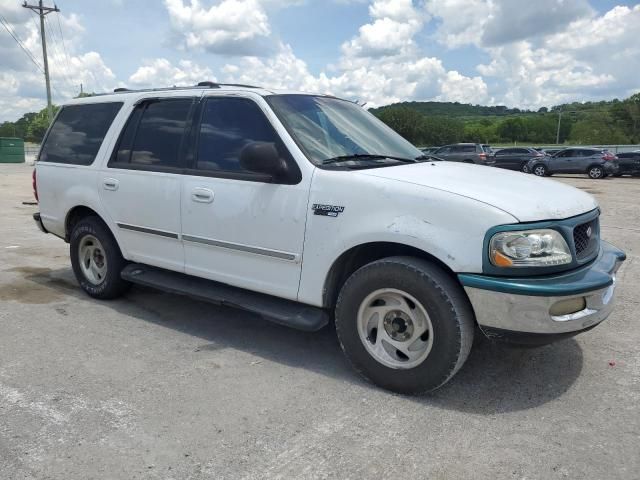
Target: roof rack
205, 84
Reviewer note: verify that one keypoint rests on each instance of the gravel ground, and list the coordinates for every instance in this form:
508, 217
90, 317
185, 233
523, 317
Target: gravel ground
159, 386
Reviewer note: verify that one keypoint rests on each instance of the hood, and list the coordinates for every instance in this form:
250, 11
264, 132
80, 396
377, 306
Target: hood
526, 197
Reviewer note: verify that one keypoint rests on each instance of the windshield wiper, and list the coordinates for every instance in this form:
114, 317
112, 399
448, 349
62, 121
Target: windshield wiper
428, 158
366, 156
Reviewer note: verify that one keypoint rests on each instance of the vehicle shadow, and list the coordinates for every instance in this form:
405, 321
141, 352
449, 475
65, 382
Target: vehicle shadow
495, 379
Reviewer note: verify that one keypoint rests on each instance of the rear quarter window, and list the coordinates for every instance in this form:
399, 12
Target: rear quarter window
77, 133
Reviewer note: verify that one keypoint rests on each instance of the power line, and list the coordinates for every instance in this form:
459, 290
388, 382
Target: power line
14, 35
64, 45
64, 73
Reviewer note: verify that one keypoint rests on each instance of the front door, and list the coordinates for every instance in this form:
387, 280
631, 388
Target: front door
238, 227
564, 161
140, 187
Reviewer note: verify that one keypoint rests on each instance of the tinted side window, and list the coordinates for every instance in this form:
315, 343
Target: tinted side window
229, 124
78, 132
159, 134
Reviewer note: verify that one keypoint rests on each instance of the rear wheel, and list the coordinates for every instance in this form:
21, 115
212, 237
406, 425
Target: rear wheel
404, 324
596, 172
96, 259
540, 170
525, 168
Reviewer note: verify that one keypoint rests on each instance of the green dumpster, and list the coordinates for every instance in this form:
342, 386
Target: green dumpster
11, 150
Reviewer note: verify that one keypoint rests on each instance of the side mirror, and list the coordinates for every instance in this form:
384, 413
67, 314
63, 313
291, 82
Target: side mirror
263, 157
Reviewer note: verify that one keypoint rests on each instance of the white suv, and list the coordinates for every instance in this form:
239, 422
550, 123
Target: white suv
307, 209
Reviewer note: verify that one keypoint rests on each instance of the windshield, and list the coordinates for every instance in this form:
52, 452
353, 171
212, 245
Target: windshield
326, 128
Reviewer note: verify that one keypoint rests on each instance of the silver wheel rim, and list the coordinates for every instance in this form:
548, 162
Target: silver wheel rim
93, 261
539, 171
525, 169
595, 173
395, 328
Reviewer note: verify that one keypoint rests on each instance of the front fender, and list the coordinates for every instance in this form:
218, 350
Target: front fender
447, 226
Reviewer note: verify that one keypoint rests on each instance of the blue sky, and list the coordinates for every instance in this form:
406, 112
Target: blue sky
514, 52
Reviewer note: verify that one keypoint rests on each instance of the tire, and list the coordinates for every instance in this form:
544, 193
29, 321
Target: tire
596, 173
432, 298
524, 168
468, 161
96, 259
540, 170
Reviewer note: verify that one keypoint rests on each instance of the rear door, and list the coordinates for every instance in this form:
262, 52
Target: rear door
140, 187
504, 158
585, 158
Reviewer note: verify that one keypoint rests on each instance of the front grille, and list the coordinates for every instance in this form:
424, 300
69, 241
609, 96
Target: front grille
586, 238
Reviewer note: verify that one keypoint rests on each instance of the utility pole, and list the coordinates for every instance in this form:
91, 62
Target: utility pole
42, 11
558, 132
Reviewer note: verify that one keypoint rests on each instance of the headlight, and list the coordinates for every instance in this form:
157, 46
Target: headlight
529, 248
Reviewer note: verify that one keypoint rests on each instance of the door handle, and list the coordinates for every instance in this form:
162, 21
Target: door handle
110, 184
202, 195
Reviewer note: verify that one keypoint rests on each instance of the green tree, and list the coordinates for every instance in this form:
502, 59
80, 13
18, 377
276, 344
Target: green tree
441, 130
512, 129
597, 128
406, 121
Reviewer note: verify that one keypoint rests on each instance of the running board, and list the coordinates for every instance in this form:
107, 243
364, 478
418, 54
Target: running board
278, 310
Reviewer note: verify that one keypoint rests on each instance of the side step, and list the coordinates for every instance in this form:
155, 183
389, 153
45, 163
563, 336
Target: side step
285, 312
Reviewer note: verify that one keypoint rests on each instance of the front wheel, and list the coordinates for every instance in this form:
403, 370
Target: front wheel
96, 259
596, 173
404, 324
540, 171
525, 168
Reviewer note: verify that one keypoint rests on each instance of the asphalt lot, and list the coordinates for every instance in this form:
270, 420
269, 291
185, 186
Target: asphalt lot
159, 386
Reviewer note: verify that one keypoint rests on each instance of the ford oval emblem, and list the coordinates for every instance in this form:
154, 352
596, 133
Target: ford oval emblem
589, 232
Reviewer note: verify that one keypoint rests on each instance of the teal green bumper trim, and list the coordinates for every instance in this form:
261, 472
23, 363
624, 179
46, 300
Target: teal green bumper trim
594, 276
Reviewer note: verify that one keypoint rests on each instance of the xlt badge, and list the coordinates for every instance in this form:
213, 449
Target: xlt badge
327, 210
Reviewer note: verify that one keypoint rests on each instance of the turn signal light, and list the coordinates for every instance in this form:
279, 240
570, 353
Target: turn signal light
501, 260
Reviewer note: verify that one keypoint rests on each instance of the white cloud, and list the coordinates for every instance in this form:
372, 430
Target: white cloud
514, 20
591, 58
161, 72
395, 24
231, 27
461, 22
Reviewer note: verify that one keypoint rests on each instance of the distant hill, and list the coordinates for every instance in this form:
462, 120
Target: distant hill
436, 123
455, 109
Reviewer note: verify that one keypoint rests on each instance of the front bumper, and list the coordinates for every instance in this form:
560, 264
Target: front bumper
611, 167
521, 307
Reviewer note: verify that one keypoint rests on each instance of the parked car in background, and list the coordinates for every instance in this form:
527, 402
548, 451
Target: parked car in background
429, 150
516, 158
488, 150
595, 162
466, 153
551, 151
628, 163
